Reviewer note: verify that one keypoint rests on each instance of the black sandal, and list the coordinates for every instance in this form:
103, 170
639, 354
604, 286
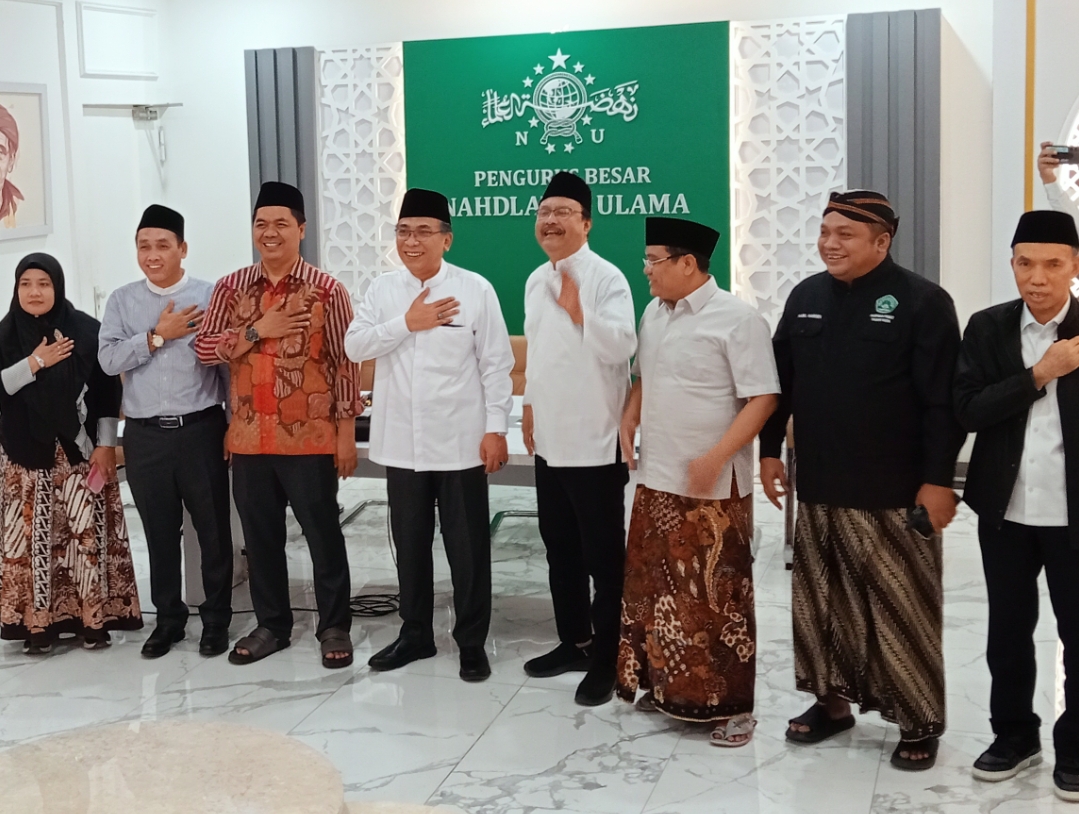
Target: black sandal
929, 745
39, 644
335, 640
821, 725
96, 639
259, 644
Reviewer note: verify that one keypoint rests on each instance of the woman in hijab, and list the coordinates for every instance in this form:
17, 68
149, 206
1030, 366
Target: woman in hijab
65, 563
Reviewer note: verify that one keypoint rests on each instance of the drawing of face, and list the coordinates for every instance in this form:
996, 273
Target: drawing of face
7, 158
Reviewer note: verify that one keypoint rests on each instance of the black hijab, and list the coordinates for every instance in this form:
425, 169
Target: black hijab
46, 410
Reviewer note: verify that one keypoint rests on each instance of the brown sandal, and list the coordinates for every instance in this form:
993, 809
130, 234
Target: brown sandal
259, 644
335, 640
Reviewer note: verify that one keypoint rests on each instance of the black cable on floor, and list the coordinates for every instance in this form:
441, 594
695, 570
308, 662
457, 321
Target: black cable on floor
371, 606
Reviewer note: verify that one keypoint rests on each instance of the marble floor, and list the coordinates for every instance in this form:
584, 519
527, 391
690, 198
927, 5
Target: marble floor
520, 745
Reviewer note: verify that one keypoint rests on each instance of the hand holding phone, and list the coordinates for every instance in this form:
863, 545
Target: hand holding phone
1064, 153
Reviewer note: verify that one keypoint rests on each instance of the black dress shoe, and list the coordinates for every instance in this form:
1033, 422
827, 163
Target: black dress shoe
565, 658
161, 641
214, 641
400, 653
1006, 758
596, 688
474, 664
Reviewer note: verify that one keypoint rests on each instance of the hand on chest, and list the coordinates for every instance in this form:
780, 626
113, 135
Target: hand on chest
298, 314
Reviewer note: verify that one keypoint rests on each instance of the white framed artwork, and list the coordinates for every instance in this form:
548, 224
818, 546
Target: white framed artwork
25, 177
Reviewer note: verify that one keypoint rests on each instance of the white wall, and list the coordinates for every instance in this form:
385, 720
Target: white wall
205, 47
1056, 90
101, 166
206, 176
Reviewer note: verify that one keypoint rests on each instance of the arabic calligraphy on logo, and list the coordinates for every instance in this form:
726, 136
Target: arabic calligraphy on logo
561, 101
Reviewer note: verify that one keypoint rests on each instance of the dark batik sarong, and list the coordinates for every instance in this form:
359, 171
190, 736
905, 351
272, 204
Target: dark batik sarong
688, 628
868, 620
65, 562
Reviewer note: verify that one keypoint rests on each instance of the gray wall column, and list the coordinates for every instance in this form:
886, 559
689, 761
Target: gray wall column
893, 125
282, 128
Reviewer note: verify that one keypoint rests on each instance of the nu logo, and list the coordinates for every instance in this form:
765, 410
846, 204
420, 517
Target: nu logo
563, 101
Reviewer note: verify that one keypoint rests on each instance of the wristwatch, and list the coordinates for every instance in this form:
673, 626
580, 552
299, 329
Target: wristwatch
157, 340
251, 334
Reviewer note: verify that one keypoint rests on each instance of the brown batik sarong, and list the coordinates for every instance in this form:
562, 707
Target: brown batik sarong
65, 563
688, 628
868, 617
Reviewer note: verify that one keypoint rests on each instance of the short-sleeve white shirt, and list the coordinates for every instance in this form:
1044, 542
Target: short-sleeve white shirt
699, 363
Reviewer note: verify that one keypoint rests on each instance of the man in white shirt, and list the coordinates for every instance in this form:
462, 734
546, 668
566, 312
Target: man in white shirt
1017, 387
579, 323
441, 407
706, 385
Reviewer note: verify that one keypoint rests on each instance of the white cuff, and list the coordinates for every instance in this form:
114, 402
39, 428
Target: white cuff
16, 377
498, 422
108, 431
398, 328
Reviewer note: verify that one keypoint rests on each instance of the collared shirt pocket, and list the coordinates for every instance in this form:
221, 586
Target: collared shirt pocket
880, 331
807, 328
451, 345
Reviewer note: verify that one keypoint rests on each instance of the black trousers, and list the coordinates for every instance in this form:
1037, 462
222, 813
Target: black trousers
466, 533
167, 471
263, 486
1013, 556
582, 522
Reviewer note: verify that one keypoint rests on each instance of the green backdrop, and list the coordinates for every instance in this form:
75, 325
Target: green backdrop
639, 113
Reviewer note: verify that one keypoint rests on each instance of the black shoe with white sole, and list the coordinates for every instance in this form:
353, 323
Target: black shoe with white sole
1066, 779
1006, 758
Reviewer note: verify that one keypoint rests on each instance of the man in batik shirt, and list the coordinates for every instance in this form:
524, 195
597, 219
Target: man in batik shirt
280, 326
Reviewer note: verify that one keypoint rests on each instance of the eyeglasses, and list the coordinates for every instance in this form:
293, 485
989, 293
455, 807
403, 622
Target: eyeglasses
649, 262
559, 212
423, 233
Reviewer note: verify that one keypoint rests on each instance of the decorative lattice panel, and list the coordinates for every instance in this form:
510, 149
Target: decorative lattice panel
361, 160
788, 137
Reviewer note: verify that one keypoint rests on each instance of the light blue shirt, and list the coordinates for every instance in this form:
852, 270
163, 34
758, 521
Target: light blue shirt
171, 380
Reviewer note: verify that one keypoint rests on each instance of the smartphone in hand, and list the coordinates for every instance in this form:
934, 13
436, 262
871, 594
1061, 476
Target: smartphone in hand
95, 479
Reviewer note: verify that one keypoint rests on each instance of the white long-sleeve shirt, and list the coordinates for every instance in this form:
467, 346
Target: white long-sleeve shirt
577, 376
437, 392
1060, 201
1039, 497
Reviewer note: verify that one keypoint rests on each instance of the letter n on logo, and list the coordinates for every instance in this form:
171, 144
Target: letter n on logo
522, 138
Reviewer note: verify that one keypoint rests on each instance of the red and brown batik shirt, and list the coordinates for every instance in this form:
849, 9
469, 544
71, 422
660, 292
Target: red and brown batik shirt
287, 394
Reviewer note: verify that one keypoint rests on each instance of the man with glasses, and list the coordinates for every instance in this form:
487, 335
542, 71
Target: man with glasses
441, 409
579, 323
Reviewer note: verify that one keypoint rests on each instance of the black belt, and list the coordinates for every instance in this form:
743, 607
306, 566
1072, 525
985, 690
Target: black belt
174, 422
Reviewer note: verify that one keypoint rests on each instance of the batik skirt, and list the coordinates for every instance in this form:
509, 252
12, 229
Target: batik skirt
868, 622
688, 627
65, 562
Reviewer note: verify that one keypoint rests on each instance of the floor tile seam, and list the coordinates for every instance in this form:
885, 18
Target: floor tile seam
662, 771
315, 709
468, 751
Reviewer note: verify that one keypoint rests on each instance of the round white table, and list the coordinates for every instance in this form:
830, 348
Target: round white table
168, 767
